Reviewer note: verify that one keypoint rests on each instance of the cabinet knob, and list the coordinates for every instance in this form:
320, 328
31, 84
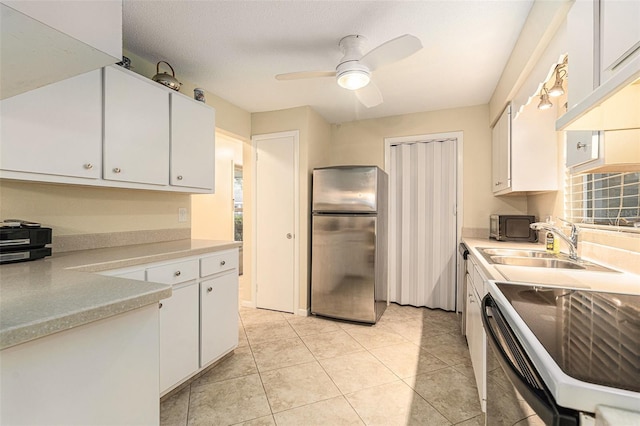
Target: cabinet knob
88, 166
116, 170
223, 263
498, 183
160, 305
177, 273
180, 177
581, 145
209, 289
289, 236
471, 299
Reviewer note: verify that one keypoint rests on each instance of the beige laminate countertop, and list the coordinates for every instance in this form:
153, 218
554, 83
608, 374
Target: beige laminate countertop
616, 282
43, 297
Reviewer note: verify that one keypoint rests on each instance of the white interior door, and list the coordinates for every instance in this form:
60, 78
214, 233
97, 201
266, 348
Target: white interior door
423, 223
276, 174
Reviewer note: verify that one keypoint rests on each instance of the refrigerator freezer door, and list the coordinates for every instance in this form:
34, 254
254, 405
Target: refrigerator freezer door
343, 267
345, 189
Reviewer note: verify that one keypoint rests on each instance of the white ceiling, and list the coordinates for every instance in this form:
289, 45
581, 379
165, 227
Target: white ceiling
235, 48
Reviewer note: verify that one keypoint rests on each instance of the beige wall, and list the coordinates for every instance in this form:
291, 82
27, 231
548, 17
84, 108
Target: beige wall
362, 142
72, 209
212, 214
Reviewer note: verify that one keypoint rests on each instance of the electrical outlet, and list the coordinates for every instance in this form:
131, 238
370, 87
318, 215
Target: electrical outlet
182, 214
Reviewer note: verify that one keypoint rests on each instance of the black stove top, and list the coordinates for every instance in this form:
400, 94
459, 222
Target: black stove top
592, 336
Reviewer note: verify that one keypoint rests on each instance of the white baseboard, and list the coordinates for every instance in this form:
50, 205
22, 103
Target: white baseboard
248, 304
303, 312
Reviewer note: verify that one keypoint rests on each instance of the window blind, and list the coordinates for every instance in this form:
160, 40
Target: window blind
603, 198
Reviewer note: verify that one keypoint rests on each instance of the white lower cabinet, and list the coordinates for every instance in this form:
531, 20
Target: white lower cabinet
107, 370
179, 335
199, 322
476, 336
218, 305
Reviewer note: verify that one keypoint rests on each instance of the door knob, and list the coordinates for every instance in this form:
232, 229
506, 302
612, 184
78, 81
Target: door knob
289, 236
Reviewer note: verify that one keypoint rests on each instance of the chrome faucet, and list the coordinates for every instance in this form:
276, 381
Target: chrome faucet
571, 240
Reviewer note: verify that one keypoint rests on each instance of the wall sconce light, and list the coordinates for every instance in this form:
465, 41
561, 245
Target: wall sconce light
545, 103
561, 73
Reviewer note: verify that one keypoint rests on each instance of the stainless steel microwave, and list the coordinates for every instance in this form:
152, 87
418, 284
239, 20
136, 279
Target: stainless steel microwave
512, 228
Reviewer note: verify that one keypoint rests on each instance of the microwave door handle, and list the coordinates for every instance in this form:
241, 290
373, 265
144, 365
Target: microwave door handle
536, 395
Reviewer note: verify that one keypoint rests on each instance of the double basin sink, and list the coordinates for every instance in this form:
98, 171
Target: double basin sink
538, 258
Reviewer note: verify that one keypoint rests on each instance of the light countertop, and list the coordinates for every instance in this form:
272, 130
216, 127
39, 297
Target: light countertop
616, 282
60, 292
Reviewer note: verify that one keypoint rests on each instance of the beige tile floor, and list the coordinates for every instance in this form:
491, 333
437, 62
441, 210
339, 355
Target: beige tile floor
411, 368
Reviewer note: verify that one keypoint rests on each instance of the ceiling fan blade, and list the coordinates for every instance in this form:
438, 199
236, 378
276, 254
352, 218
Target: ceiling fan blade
391, 51
369, 95
305, 74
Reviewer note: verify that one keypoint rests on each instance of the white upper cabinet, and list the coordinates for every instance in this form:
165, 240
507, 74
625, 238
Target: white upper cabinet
192, 143
581, 32
604, 66
524, 149
582, 147
55, 130
501, 152
620, 32
136, 129
48, 41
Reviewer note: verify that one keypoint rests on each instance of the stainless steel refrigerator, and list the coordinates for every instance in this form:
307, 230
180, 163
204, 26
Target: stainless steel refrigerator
349, 243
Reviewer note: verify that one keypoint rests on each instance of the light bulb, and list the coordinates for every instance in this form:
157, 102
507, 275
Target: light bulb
557, 89
545, 103
353, 79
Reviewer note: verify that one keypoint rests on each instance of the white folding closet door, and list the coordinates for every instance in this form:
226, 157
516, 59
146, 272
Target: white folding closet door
422, 269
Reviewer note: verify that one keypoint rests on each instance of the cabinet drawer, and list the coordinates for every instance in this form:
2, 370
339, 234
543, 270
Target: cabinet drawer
173, 273
219, 262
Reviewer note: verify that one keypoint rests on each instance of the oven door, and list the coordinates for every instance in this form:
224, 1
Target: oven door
533, 394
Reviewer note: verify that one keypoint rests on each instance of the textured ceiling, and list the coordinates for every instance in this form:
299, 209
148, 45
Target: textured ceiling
235, 48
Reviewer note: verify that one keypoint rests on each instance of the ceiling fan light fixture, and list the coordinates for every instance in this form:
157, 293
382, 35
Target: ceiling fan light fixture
353, 79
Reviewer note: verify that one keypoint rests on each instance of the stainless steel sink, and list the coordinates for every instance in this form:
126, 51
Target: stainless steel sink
518, 253
536, 262
538, 259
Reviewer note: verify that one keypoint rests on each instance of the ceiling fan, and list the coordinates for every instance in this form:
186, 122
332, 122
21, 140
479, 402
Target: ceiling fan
354, 70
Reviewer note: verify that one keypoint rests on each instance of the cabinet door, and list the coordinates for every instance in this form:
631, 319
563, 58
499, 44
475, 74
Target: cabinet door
56, 129
501, 151
136, 129
178, 335
620, 31
218, 316
581, 36
581, 147
192, 143
477, 346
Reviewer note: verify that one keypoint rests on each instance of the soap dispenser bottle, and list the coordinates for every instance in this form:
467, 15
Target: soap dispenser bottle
551, 242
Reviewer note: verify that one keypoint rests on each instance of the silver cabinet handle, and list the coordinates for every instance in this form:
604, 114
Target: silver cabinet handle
223, 263
177, 273
209, 289
160, 305
289, 236
116, 170
88, 166
581, 145
180, 177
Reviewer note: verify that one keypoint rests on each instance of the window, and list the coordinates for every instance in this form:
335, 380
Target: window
604, 199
